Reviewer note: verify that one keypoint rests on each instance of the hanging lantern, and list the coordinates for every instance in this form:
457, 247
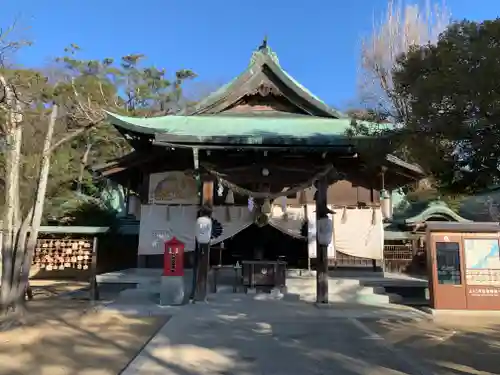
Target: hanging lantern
203, 229
325, 230
230, 197
385, 204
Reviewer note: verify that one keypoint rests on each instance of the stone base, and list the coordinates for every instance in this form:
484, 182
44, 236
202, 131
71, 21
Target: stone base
172, 290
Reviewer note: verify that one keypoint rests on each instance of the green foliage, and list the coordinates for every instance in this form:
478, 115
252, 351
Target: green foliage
452, 89
375, 135
83, 88
75, 209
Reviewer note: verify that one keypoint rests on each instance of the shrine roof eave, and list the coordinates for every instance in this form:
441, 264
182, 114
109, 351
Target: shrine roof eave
416, 169
121, 163
212, 129
242, 144
317, 143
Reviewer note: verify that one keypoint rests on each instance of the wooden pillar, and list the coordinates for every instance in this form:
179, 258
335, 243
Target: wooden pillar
203, 264
127, 197
94, 288
321, 250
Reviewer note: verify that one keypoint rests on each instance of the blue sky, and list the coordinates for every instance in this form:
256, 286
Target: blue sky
317, 41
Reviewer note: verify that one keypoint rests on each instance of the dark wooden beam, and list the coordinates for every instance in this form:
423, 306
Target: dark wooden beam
203, 264
94, 287
321, 250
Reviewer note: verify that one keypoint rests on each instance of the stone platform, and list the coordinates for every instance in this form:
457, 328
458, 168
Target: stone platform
365, 288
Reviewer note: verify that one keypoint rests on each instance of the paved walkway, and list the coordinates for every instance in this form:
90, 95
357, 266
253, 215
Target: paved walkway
236, 335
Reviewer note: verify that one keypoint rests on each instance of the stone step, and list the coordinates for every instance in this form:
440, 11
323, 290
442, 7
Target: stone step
337, 273
366, 299
339, 290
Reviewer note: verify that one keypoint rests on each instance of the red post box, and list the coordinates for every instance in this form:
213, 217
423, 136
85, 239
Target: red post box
173, 260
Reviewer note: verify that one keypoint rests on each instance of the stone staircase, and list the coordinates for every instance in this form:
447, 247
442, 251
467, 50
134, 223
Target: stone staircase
352, 287
347, 290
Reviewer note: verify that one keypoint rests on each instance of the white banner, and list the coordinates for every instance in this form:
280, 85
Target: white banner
356, 232
359, 232
291, 220
290, 224
160, 223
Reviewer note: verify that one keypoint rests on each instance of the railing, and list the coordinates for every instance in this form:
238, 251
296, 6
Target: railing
397, 258
344, 260
404, 259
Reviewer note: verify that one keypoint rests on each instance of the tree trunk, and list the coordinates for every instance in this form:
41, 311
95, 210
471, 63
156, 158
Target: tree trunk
83, 164
29, 246
24, 246
8, 235
14, 140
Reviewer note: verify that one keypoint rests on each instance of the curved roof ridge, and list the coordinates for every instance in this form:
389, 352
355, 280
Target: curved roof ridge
435, 208
264, 56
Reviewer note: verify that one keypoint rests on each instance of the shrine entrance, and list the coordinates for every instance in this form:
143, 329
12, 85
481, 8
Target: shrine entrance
261, 141
264, 243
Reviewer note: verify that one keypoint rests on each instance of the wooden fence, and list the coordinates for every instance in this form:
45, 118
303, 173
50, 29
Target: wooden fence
405, 259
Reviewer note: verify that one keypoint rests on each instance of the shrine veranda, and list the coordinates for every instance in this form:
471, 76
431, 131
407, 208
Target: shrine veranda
260, 144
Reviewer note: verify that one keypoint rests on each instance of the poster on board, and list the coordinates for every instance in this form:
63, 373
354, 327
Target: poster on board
482, 261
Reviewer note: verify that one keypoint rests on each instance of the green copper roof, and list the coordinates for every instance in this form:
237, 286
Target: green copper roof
264, 67
436, 209
238, 129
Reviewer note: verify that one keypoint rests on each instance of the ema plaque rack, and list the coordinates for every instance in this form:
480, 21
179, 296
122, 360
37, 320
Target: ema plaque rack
55, 254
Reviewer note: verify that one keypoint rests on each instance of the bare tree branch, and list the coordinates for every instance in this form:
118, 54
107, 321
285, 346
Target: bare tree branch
403, 26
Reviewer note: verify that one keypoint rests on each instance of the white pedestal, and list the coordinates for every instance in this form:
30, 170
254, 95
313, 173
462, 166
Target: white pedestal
172, 290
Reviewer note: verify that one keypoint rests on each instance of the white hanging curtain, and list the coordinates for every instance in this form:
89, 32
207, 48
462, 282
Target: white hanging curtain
160, 223
291, 224
361, 233
238, 219
157, 226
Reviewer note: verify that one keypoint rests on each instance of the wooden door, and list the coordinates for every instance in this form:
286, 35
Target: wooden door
448, 272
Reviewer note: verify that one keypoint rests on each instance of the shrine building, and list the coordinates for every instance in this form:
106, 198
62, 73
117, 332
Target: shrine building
263, 140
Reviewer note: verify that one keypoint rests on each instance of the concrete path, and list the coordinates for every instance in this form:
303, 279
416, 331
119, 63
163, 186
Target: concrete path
238, 335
